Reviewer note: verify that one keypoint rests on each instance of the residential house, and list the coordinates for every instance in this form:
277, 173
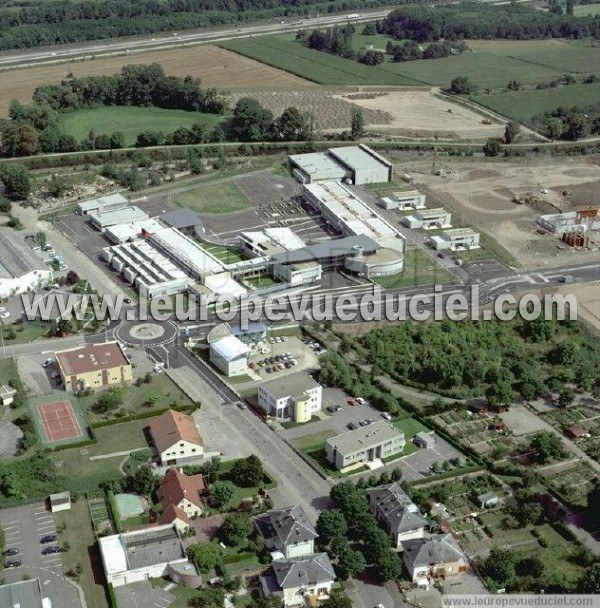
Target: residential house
182, 492
299, 580
431, 558
288, 531
401, 517
176, 438
487, 500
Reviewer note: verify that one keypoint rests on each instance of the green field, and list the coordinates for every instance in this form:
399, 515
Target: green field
587, 9
572, 58
224, 254
131, 121
524, 105
287, 54
223, 197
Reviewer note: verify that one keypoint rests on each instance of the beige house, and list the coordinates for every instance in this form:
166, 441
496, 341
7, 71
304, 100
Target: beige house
176, 438
181, 493
435, 557
287, 531
93, 366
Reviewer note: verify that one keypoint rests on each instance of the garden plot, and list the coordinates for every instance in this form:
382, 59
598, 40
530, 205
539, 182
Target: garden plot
572, 481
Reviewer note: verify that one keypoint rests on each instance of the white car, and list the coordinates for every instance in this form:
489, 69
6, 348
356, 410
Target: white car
386, 415
47, 362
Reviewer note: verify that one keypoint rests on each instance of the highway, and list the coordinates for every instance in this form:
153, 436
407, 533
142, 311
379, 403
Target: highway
161, 41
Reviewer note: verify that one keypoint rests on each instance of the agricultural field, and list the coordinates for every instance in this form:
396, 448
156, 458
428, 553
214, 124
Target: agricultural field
216, 67
524, 105
285, 53
130, 121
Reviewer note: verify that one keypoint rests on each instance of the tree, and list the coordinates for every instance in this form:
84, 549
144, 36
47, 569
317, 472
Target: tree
530, 567
41, 239
499, 393
357, 123
290, 125
369, 29
388, 567
5, 205
350, 562
554, 128
144, 481
569, 6
206, 556
222, 491
108, 401
57, 185
248, 472
590, 580
491, 147
566, 396
16, 181
28, 140
500, 565
331, 524
462, 85
546, 445
577, 126
235, 529
250, 122
511, 131
337, 599
72, 277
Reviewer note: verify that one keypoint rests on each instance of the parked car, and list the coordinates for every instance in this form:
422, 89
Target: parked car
366, 422
48, 538
12, 551
48, 362
12, 563
268, 370
241, 405
352, 426
331, 409
386, 415
50, 550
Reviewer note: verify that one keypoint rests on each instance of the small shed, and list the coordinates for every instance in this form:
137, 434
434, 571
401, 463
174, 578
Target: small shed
425, 439
60, 502
7, 394
487, 500
576, 431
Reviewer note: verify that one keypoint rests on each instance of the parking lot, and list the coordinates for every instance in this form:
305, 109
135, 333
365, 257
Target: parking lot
305, 358
23, 527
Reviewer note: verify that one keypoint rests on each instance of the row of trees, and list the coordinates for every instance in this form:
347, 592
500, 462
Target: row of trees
473, 21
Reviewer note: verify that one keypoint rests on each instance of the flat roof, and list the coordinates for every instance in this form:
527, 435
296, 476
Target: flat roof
155, 546
364, 437
274, 240
315, 163
101, 201
458, 232
359, 157
16, 257
290, 386
428, 213
22, 594
183, 217
124, 232
91, 357
224, 284
118, 216
329, 248
189, 252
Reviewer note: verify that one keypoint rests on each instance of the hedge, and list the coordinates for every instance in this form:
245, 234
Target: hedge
110, 594
93, 440
114, 511
149, 414
565, 532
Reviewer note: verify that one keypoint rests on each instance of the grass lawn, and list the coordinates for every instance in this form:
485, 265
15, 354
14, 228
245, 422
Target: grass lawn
475, 254
8, 371
524, 105
493, 246
134, 397
291, 424
83, 550
130, 121
262, 281
242, 493
587, 9
386, 188
224, 254
312, 442
223, 197
419, 269
510, 537
23, 333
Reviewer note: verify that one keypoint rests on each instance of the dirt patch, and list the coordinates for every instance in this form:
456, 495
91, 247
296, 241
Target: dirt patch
425, 114
588, 304
332, 111
216, 67
481, 198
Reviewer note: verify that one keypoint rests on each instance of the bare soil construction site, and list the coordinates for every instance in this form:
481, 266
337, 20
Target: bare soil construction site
478, 196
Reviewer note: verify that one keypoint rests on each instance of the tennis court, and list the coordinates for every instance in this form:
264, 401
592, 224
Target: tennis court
58, 419
129, 505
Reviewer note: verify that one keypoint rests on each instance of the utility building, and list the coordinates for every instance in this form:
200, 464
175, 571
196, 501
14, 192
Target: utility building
112, 202
412, 199
429, 219
456, 239
230, 355
101, 220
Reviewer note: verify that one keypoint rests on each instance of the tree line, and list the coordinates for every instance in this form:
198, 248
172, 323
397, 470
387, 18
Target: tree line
57, 22
474, 21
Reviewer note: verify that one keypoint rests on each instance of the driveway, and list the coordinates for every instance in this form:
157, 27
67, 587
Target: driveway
366, 594
23, 527
10, 438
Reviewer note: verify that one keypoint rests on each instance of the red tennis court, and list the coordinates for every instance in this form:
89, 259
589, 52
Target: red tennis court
59, 421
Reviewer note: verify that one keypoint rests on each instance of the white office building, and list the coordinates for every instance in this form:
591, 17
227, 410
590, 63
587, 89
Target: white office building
230, 355
456, 239
429, 219
111, 202
103, 219
412, 199
269, 241
295, 397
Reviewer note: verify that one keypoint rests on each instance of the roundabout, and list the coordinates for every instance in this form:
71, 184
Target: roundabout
146, 333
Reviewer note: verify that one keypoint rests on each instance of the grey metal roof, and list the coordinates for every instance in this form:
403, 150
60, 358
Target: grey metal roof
397, 508
285, 526
183, 217
364, 437
16, 257
119, 216
23, 594
318, 164
303, 571
438, 549
359, 157
290, 386
326, 249
152, 547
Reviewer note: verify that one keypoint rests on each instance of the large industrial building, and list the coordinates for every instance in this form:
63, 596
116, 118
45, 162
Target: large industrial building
377, 440
456, 239
429, 219
24, 594
296, 397
354, 164
21, 270
121, 233
101, 220
111, 202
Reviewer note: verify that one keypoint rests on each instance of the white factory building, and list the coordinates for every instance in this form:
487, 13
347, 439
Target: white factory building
269, 242
456, 239
296, 397
403, 201
138, 556
121, 233
103, 219
429, 219
111, 202
354, 164
21, 269
344, 210
230, 355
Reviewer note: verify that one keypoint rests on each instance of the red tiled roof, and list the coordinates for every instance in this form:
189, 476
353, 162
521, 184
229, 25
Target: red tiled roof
175, 486
171, 427
91, 357
171, 513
